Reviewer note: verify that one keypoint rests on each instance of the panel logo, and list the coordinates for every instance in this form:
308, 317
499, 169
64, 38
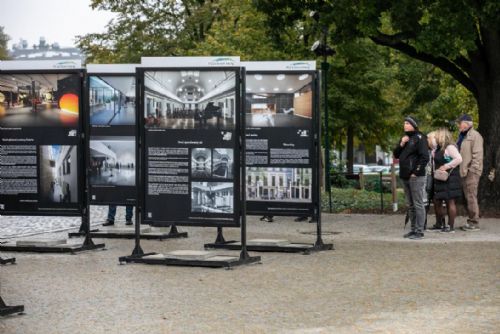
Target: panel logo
72, 133
303, 133
66, 64
299, 66
221, 61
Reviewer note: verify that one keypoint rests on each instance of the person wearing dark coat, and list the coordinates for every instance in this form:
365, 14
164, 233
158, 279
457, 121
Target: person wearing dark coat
447, 158
413, 155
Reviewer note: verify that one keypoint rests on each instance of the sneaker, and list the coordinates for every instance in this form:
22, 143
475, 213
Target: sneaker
447, 229
300, 219
471, 227
109, 223
409, 234
416, 236
128, 222
435, 228
268, 219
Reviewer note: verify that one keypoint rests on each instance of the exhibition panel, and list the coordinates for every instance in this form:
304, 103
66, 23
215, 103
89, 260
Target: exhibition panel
191, 138
41, 146
112, 133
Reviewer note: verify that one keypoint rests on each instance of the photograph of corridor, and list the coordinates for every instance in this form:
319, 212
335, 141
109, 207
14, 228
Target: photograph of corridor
201, 162
213, 197
112, 100
190, 99
278, 100
29, 100
58, 174
112, 161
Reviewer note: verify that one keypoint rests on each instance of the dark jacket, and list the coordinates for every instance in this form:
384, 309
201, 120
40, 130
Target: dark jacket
413, 156
451, 188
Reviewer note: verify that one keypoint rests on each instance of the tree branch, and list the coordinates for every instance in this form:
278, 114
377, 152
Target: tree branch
455, 70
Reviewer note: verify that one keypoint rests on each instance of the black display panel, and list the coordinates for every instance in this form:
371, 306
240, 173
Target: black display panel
191, 146
281, 154
40, 143
111, 145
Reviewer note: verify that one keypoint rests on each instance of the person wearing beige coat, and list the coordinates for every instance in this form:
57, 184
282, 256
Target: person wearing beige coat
470, 143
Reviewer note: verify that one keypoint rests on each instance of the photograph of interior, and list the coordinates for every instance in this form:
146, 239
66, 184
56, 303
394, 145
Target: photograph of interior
190, 99
279, 184
278, 100
39, 100
112, 100
214, 197
112, 161
201, 162
58, 174
223, 163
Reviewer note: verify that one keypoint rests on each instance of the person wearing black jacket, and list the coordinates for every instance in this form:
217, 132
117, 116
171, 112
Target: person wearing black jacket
413, 155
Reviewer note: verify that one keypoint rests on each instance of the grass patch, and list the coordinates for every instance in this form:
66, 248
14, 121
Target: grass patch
360, 201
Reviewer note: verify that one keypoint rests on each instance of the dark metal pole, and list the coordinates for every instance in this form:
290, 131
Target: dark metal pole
324, 69
139, 151
381, 194
242, 184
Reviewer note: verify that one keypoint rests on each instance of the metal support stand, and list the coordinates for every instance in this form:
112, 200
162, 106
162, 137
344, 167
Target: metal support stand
137, 252
154, 235
11, 260
174, 233
7, 310
88, 243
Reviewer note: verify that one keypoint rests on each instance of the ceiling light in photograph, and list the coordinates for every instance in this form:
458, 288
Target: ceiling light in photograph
183, 80
262, 89
303, 77
280, 77
249, 89
258, 77
290, 89
276, 89
196, 80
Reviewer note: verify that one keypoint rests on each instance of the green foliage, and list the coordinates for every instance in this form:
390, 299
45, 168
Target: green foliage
4, 38
239, 29
148, 28
358, 79
359, 201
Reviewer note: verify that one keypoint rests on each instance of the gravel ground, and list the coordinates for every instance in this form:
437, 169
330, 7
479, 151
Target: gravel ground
373, 282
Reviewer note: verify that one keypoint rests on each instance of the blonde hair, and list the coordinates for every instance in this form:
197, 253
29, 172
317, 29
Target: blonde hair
431, 139
444, 138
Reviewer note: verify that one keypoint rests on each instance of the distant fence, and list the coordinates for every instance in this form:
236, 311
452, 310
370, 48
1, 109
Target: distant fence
379, 182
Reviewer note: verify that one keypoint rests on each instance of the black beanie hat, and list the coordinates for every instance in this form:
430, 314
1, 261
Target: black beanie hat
412, 121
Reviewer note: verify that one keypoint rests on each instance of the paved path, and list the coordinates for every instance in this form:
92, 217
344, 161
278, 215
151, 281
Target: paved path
374, 282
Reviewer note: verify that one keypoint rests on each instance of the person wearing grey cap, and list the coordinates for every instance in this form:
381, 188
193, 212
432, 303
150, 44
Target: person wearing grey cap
470, 144
413, 155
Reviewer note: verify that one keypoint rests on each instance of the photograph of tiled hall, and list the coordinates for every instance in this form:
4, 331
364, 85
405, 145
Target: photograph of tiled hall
190, 99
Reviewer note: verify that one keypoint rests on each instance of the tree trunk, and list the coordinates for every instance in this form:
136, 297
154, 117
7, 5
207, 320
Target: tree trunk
489, 127
485, 73
350, 149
